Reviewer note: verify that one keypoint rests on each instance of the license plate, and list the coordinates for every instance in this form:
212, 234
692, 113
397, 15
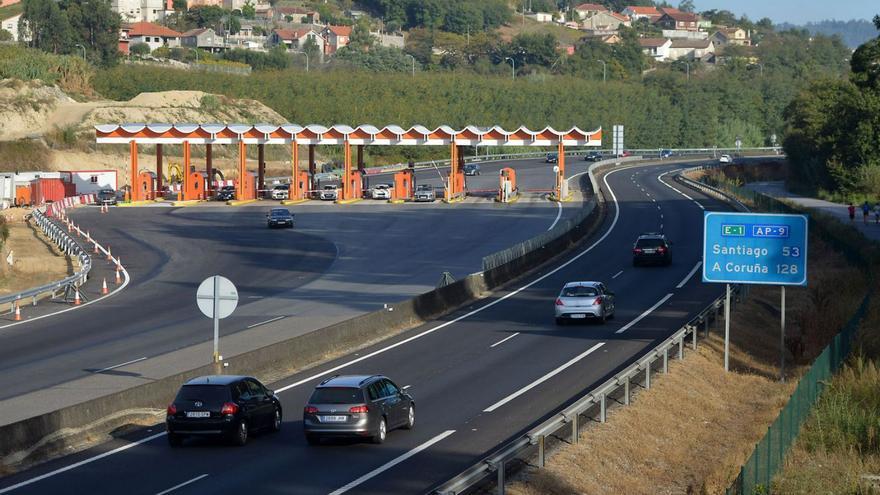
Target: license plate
650, 251
198, 414
333, 419
578, 315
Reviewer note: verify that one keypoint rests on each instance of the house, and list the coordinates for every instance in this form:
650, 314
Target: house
11, 24
295, 39
337, 37
677, 20
606, 21
154, 35
202, 38
141, 10
731, 36
6, 3
656, 48
297, 15
541, 17
585, 10
681, 34
698, 50
203, 3
389, 40
637, 12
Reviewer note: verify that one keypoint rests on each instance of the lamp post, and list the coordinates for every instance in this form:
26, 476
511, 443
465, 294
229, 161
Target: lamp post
307, 58
761, 67
413, 64
83, 50
512, 66
688, 71
603, 69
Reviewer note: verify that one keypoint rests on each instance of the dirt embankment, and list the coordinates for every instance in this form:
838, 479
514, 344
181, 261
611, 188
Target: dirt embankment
35, 260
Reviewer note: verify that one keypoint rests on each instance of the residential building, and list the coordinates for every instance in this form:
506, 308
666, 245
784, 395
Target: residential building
389, 40
141, 10
203, 3
731, 36
295, 39
606, 21
656, 48
11, 24
699, 50
677, 20
297, 15
337, 37
681, 34
585, 10
541, 17
154, 35
202, 38
637, 12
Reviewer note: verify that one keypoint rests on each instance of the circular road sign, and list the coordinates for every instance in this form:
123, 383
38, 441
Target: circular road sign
226, 294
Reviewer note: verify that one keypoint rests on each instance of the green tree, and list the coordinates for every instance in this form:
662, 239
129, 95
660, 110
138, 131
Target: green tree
139, 49
5, 35
45, 26
248, 11
686, 5
179, 5
94, 25
310, 47
361, 39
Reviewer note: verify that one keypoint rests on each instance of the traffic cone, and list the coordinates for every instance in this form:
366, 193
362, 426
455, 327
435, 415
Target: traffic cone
96, 247
104, 290
118, 277
119, 264
109, 256
76, 300
17, 312
88, 236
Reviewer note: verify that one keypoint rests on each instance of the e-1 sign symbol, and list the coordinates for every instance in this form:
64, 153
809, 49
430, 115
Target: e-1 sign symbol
733, 230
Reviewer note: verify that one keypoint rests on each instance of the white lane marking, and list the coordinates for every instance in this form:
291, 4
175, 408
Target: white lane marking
405, 387
504, 340
646, 313
689, 275
390, 464
653, 200
617, 274
120, 365
80, 463
660, 178
267, 321
175, 487
543, 378
481, 308
558, 216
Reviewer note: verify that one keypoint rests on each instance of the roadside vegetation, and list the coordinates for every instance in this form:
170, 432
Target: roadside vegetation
35, 259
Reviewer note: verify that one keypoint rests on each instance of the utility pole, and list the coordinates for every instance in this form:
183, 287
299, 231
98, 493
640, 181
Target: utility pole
513, 67
603, 70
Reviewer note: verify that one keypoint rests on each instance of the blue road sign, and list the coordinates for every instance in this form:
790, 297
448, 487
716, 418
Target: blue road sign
754, 248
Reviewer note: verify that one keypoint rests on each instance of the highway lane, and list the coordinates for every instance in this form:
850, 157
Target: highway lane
466, 378
337, 263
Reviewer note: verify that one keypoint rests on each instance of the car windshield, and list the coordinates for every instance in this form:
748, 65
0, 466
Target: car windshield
281, 188
329, 188
649, 243
424, 187
208, 394
579, 291
336, 395
280, 213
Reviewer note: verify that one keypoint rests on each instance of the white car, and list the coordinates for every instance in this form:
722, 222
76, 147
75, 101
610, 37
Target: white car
381, 191
725, 159
281, 192
330, 192
584, 300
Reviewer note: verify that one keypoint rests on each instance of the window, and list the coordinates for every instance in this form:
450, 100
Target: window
375, 391
390, 388
94, 179
336, 395
255, 389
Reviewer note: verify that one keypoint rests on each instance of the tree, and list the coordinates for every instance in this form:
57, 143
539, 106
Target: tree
139, 49
248, 11
94, 25
179, 5
686, 5
310, 47
45, 26
5, 35
361, 38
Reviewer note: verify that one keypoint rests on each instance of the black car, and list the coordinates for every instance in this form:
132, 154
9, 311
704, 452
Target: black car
279, 217
593, 156
361, 406
552, 158
225, 193
106, 197
223, 406
652, 248
471, 169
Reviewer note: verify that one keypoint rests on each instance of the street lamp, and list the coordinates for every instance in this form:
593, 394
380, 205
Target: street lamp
760, 66
413, 64
512, 67
83, 49
603, 69
687, 67
307, 58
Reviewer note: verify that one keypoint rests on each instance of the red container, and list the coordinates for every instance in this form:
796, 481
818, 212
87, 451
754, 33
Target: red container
50, 190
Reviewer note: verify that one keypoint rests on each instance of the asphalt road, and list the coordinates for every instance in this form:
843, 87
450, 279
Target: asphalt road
339, 261
473, 388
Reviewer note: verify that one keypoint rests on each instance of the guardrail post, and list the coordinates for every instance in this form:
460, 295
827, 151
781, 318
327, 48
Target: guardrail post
626, 391
681, 347
694, 335
602, 411
501, 478
574, 428
707, 329
541, 451
665, 360
648, 375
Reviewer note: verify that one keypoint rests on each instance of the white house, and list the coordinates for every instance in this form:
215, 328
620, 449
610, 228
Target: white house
154, 35
295, 39
141, 10
541, 16
636, 12
585, 10
691, 49
656, 48
92, 181
11, 24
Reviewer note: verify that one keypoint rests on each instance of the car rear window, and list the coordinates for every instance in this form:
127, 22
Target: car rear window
579, 291
209, 394
337, 395
649, 243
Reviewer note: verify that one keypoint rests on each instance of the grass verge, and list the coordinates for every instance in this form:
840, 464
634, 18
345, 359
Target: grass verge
36, 261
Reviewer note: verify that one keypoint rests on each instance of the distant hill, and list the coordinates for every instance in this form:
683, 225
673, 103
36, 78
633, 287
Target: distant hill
852, 32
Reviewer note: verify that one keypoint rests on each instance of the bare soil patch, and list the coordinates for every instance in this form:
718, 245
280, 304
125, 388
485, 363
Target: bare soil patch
36, 260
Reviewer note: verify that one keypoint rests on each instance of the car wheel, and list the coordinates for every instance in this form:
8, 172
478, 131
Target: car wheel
410, 418
381, 432
174, 439
276, 421
240, 437
313, 440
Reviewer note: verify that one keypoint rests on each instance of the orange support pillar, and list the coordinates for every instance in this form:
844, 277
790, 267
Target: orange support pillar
295, 192
187, 162
242, 170
561, 175
313, 168
261, 169
133, 151
347, 192
209, 171
453, 172
158, 171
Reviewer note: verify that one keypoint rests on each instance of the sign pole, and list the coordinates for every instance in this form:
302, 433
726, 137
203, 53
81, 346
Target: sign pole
727, 330
782, 340
216, 358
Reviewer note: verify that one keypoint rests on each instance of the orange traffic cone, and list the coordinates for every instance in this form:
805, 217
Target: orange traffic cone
118, 277
96, 247
104, 290
88, 236
119, 264
76, 300
109, 256
17, 312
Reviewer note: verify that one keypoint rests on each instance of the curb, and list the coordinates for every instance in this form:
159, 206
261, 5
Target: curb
288, 202
240, 202
396, 201
191, 202
132, 204
348, 201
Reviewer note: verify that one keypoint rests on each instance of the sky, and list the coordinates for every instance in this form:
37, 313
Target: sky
794, 11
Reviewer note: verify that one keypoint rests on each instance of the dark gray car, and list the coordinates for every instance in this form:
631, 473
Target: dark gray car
361, 406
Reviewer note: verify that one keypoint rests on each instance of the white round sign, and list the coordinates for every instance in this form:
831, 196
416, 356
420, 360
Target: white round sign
225, 292
555, 169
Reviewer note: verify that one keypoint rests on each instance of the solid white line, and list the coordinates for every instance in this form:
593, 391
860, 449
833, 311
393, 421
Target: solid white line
543, 378
660, 178
689, 275
121, 365
405, 387
267, 321
197, 478
646, 313
80, 463
385, 467
478, 310
558, 216
617, 274
504, 340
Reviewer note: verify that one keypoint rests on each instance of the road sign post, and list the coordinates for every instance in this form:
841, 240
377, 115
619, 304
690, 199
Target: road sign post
754, 248
217, 298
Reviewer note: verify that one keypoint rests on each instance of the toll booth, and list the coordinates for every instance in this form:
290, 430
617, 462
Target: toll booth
249, 186
403, 185
146, 184
194, 187
507, 189
300, 185
455, 182
354, 185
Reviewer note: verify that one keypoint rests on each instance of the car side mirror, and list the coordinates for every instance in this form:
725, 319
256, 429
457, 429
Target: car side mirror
270, 392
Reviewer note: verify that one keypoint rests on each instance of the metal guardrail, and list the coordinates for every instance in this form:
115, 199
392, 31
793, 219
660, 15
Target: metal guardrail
569, 417
70, 247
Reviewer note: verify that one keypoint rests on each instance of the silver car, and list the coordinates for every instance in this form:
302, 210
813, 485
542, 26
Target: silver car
425, 192
330, 192
584, 300
381, 191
